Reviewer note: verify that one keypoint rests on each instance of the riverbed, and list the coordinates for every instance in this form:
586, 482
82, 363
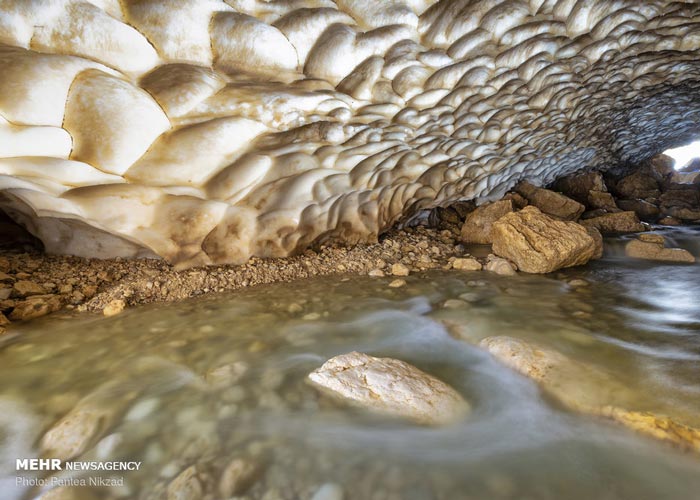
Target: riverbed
208, 381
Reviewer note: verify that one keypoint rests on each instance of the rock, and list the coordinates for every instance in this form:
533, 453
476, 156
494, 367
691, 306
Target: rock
586, 389
598, 240
466, 264
328, 491
69, 493
5, 278
399, 269
685, 177
661, 167
652, 248
602, 201
643, 209
620, 222
397, 283
5, 293
678, 195
652, 238
477, 225
686, 214
87, 422
578, 283
224, 376
519, 201
377, 273
114, 307
186, 486
500, 266
4, 264
550, 202
454, 304
237, 477
390, 386
670, 221
3, 320
35, 307
589, 214
636, 186
657, 426
539, 244
24, 288
578, 186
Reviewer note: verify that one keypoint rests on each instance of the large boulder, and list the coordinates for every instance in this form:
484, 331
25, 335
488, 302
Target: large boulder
651, 247
477, 225
601, 200
637, 185
550, 202
643, 209
619, 222
538, 243
391, 387
578, 186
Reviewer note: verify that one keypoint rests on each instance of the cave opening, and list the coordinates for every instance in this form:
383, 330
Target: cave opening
686, 158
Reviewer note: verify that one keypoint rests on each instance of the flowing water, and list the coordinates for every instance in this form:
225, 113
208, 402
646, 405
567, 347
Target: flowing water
206, 381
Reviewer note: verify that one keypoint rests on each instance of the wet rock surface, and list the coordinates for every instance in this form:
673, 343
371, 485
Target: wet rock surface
540, 244
652, 247
586, 389
390, 386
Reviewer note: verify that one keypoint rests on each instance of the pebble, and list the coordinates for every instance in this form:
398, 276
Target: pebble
185, 486
328, 491
114, 307
500, 266
464, 264
577, 283
397, 283
237, 477
25, 288
294, 308
378, 273
454, 304
399, 269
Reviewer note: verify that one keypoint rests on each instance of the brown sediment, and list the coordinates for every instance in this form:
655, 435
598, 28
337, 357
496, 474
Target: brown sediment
92, 284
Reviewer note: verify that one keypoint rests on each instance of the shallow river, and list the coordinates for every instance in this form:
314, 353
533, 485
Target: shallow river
210, 380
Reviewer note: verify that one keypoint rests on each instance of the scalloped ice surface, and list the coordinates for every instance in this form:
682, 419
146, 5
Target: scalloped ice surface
207, 131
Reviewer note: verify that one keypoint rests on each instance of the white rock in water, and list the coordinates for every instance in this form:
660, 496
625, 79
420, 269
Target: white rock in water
328, 491
391, 387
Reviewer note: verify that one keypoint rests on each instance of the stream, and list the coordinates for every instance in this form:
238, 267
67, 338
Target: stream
206, 381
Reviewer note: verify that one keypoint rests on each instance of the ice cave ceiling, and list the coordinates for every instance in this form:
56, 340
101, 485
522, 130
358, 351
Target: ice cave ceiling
207, 131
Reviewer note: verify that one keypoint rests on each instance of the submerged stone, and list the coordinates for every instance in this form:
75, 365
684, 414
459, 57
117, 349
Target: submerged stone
466, 264
391, 387
587, 389
651, 247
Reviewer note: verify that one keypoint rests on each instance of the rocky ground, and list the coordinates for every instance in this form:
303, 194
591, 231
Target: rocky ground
531, 229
